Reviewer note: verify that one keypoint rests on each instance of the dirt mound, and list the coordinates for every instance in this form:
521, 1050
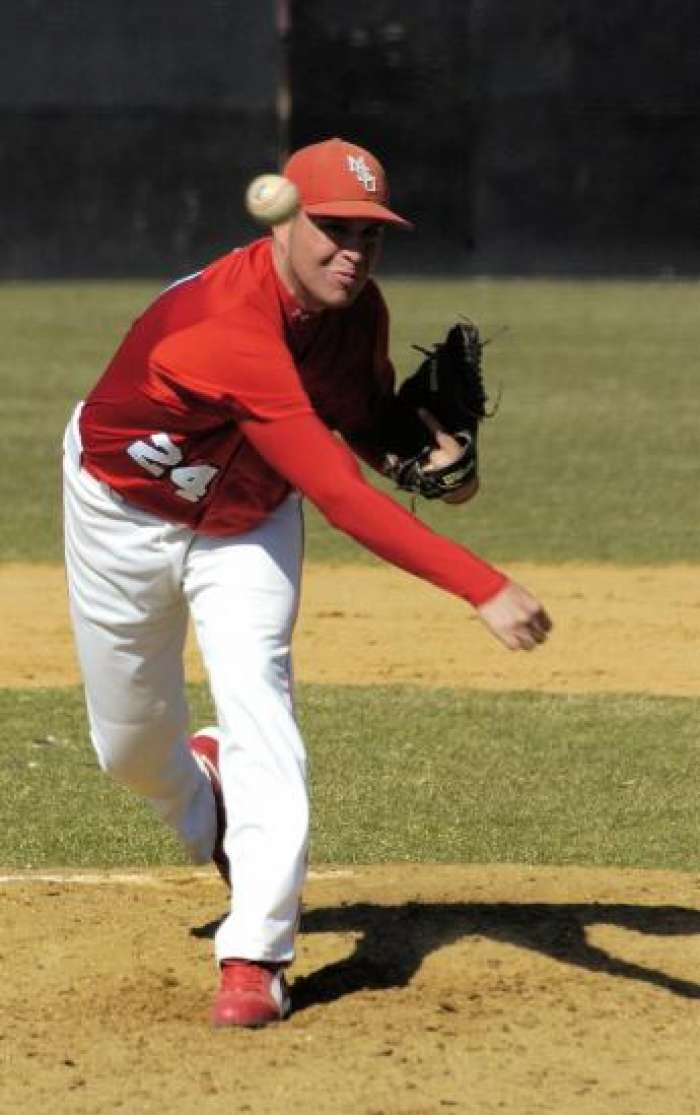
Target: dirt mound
418, 989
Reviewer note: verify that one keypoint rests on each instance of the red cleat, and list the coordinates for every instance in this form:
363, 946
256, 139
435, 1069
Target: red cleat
204, 746
250, 994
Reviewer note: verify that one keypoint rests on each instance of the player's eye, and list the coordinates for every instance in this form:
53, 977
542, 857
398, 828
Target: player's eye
350, 233
372, 233
335, 229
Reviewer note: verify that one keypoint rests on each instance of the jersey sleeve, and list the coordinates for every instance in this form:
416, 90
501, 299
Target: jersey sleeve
303, 450
245, 368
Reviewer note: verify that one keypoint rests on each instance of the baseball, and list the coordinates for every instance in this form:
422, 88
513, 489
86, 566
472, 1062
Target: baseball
271, 199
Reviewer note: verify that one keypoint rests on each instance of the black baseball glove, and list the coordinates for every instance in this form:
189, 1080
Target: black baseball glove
449, 385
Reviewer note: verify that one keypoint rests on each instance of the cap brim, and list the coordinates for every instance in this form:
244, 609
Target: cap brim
357, 209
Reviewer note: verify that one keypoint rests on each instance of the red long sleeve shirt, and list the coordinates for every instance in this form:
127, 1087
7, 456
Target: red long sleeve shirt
223, 397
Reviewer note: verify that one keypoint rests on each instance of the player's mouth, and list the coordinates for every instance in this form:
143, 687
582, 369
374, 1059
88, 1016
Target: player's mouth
347, 280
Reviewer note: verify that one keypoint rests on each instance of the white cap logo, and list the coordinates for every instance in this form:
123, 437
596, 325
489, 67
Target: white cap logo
359, 168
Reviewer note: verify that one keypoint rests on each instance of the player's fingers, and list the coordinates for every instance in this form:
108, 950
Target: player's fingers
509, 641
526, 639
526, 635
537, 620
539, 624
538, 634
430, 421
542, 620
510, 637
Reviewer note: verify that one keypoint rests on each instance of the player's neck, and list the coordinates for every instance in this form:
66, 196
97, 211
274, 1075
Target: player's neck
302, 298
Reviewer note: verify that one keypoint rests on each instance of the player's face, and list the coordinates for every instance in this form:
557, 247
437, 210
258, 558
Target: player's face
326, 261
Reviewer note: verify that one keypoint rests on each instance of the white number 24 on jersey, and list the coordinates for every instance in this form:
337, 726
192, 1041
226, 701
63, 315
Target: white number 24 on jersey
160, 454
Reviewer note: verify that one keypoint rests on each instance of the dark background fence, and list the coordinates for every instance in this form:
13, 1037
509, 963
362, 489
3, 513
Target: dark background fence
548, 136
129, 129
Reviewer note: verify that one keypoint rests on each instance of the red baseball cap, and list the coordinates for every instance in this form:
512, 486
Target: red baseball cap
336, 178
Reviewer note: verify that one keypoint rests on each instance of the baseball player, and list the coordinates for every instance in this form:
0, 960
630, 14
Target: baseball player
240, 390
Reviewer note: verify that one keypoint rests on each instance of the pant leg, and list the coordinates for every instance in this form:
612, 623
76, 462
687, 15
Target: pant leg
129, 619
243, 594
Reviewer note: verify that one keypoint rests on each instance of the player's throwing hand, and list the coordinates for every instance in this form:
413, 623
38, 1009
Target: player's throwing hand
515, 618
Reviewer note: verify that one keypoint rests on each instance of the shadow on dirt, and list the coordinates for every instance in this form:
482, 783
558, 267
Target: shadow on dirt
394, 940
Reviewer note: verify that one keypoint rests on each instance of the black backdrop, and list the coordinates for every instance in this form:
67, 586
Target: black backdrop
553, 135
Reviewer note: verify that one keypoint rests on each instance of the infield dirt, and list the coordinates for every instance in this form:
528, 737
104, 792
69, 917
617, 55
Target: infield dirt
418, 989
624, 630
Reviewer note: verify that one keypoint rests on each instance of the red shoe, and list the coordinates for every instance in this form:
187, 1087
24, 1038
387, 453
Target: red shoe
204, 746
250, 994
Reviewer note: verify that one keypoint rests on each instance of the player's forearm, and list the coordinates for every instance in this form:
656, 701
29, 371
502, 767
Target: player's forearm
321, 467
385, 528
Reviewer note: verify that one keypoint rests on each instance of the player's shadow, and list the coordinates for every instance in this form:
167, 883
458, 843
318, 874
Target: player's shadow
392, 941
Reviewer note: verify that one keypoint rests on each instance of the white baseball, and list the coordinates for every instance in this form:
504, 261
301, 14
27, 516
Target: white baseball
271, 199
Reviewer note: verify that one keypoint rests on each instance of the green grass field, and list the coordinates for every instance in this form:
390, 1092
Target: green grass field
593, 456
396, 775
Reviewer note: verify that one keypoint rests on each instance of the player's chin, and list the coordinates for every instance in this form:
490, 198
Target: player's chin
339, 293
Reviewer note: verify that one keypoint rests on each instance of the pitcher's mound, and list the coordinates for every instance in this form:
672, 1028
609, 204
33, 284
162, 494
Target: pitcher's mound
417, 989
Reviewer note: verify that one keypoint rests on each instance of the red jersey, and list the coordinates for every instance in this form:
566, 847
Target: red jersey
222, 398
222, 345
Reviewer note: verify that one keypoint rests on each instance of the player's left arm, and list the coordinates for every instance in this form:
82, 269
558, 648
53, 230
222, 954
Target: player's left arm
398, 429
394, 432
432, 422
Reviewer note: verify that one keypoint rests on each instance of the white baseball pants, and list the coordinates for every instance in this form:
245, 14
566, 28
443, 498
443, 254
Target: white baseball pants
132, 581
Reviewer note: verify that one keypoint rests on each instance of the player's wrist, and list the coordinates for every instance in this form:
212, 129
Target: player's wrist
490, 584
463, 494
